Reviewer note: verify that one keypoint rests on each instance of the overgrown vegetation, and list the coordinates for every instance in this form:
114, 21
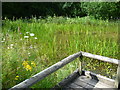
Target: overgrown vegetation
100, 10
29, 46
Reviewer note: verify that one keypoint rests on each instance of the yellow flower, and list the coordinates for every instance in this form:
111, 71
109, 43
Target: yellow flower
16, 78
33, 63
26, 65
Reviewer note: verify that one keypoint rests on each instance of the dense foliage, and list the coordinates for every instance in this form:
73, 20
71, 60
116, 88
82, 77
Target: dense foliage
101, 10
41, 9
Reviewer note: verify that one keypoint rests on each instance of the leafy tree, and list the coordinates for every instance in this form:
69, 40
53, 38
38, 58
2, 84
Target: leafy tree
101, 10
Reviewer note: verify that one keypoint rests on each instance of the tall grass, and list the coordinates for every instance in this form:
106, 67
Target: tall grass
54, 39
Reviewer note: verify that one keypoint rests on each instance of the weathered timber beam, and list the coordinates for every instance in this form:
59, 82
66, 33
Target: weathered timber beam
117, 80
102, 58
39, 76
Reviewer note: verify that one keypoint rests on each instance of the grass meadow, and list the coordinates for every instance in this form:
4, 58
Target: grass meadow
31, 45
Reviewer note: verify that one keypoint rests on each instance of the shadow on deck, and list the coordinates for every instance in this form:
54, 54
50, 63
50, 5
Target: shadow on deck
87, 80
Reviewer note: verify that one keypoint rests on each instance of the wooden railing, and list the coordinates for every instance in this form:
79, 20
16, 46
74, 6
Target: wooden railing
41, 75
105, 59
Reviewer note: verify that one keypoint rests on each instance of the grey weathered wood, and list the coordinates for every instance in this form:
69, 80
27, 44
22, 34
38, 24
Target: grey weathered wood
39, 76
102, 85
100, 78
80, 65
102, 58
117, 80
80, 83
92, 81
73, 85
69, 79
89, 86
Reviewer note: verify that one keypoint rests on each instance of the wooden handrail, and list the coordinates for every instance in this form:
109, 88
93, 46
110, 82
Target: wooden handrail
39, 76
106, 59
102, 58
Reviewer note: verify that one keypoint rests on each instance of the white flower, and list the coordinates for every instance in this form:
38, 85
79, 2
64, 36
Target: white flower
8, 47
28, 53
11, 45
32, 34
67, 18
27, 32
26, 36
31, 47
36, 38
2, 41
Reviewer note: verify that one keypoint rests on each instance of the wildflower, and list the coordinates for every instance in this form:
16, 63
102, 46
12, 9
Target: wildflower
35, 37
16, 78
67, 18
26, 36
2, 41
27, 32
11, 45
26, 65
8, 47
5, 17
28, 54
32, 34
31, 47
33, 63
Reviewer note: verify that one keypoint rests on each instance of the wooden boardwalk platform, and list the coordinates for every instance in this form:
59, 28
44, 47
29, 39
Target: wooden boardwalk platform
79, 78
85, 80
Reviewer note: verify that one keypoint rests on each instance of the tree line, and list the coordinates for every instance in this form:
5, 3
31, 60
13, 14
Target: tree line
99, 10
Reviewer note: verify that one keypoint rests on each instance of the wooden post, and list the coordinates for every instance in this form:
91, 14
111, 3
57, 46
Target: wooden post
80, 65
117, 81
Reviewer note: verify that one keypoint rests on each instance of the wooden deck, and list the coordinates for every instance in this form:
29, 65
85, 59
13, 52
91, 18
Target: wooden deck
85, 80
79, 78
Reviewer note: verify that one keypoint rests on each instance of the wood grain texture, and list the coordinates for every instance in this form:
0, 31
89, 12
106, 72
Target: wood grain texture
102, 58
89, 80
117, 80
100, 78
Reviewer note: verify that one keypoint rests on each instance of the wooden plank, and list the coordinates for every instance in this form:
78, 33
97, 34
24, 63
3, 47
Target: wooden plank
102, 85
117, 80
102, 58
80, 65
39, 76
90, 83
66, 88
73, 85
89, 86
100, 78
80, 83
69, 79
